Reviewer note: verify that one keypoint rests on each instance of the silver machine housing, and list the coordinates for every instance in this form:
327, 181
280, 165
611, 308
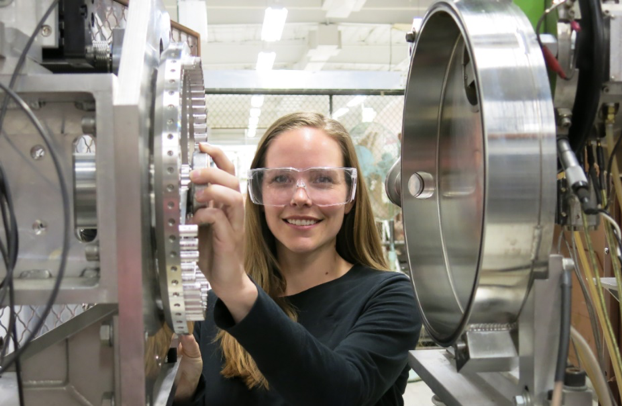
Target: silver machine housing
130, 198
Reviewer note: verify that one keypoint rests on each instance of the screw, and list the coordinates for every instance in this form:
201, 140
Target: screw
606, 89
90, 273
46, 30
37, 152
565, 122
39, 227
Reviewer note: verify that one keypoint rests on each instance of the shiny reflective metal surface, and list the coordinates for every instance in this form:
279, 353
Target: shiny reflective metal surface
180, 113
478, 162
85, 190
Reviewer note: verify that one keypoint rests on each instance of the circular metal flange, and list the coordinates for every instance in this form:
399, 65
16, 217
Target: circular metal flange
478, 165
180, 121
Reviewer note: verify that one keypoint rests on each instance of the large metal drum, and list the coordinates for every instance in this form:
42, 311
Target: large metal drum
478, 166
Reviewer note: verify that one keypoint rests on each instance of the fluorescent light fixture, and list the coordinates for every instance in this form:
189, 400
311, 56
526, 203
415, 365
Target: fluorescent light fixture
342, 111
255, 112
257, 100
356, 101
273, 23
368, 114
265, 60
193, 14
252, 122
250, 133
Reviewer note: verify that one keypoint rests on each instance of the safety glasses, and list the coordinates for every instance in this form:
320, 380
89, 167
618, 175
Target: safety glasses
324, 186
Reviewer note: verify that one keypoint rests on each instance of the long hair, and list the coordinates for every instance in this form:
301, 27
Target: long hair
357, 240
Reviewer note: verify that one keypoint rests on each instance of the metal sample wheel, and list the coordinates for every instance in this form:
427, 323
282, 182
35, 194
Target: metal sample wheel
478, 166
180, 122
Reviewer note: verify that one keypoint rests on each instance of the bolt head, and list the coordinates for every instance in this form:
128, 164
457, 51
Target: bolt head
46, 30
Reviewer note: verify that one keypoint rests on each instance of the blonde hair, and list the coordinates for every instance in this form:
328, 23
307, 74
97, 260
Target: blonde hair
357, 240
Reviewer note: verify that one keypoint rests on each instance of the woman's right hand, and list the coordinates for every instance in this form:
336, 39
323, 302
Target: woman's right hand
190, 367
221, 244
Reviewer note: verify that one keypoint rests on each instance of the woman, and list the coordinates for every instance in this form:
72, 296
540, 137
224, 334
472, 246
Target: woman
302, 309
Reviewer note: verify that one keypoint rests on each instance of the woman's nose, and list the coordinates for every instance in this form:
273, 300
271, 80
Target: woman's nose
301, 197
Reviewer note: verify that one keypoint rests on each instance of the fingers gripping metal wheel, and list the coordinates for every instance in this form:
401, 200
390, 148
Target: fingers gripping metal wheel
180, 123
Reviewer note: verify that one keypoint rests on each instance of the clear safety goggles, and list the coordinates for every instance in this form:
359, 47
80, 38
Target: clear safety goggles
324, 186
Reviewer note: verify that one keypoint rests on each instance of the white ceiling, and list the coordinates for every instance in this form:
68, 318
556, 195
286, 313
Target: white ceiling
371, 39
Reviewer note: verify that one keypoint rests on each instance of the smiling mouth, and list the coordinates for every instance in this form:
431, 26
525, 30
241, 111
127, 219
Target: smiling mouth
297, 222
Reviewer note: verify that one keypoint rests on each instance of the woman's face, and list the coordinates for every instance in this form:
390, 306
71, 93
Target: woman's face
301, 226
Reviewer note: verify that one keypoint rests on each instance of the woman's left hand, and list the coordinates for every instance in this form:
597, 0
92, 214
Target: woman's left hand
221, 244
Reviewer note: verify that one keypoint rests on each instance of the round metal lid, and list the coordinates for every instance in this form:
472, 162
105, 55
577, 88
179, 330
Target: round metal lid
478, 165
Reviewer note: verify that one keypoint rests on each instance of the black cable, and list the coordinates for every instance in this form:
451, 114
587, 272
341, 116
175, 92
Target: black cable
564, 333
66, 225
591, 161
18, 363
12, 235
609, 166
22, 59
591, 63
600, 158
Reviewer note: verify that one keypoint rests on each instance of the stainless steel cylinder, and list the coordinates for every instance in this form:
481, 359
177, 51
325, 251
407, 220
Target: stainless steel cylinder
478, 165
85, 190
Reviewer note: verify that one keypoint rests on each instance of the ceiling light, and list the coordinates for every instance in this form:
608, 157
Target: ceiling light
356, 101
257, 100
273, 23
251, 132
255, 112
265, 60
342, 111
252, 122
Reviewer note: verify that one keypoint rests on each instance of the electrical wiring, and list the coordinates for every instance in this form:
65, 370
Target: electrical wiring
592, 368
22, 58
612, 166
10, 254
599, 304
18, 364
564, 338
549, 58
588, 301
10, 359
613, 252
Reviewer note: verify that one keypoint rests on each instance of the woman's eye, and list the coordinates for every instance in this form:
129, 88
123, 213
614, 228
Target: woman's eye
323, 179
280, 179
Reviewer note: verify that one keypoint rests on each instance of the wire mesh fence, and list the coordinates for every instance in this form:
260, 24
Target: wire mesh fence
373, 121
106, 15
27, 316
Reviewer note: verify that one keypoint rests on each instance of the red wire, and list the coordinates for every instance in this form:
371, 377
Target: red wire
552, 62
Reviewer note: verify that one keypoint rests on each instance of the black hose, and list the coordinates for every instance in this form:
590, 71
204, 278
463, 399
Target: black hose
564, 333
591, 62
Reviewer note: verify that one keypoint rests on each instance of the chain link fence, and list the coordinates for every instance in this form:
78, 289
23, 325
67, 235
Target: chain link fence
106, 15
373, 121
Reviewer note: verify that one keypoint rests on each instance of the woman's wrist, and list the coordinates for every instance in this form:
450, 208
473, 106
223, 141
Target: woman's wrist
238, 299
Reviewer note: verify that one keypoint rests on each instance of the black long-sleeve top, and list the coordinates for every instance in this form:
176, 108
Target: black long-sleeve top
349, 346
